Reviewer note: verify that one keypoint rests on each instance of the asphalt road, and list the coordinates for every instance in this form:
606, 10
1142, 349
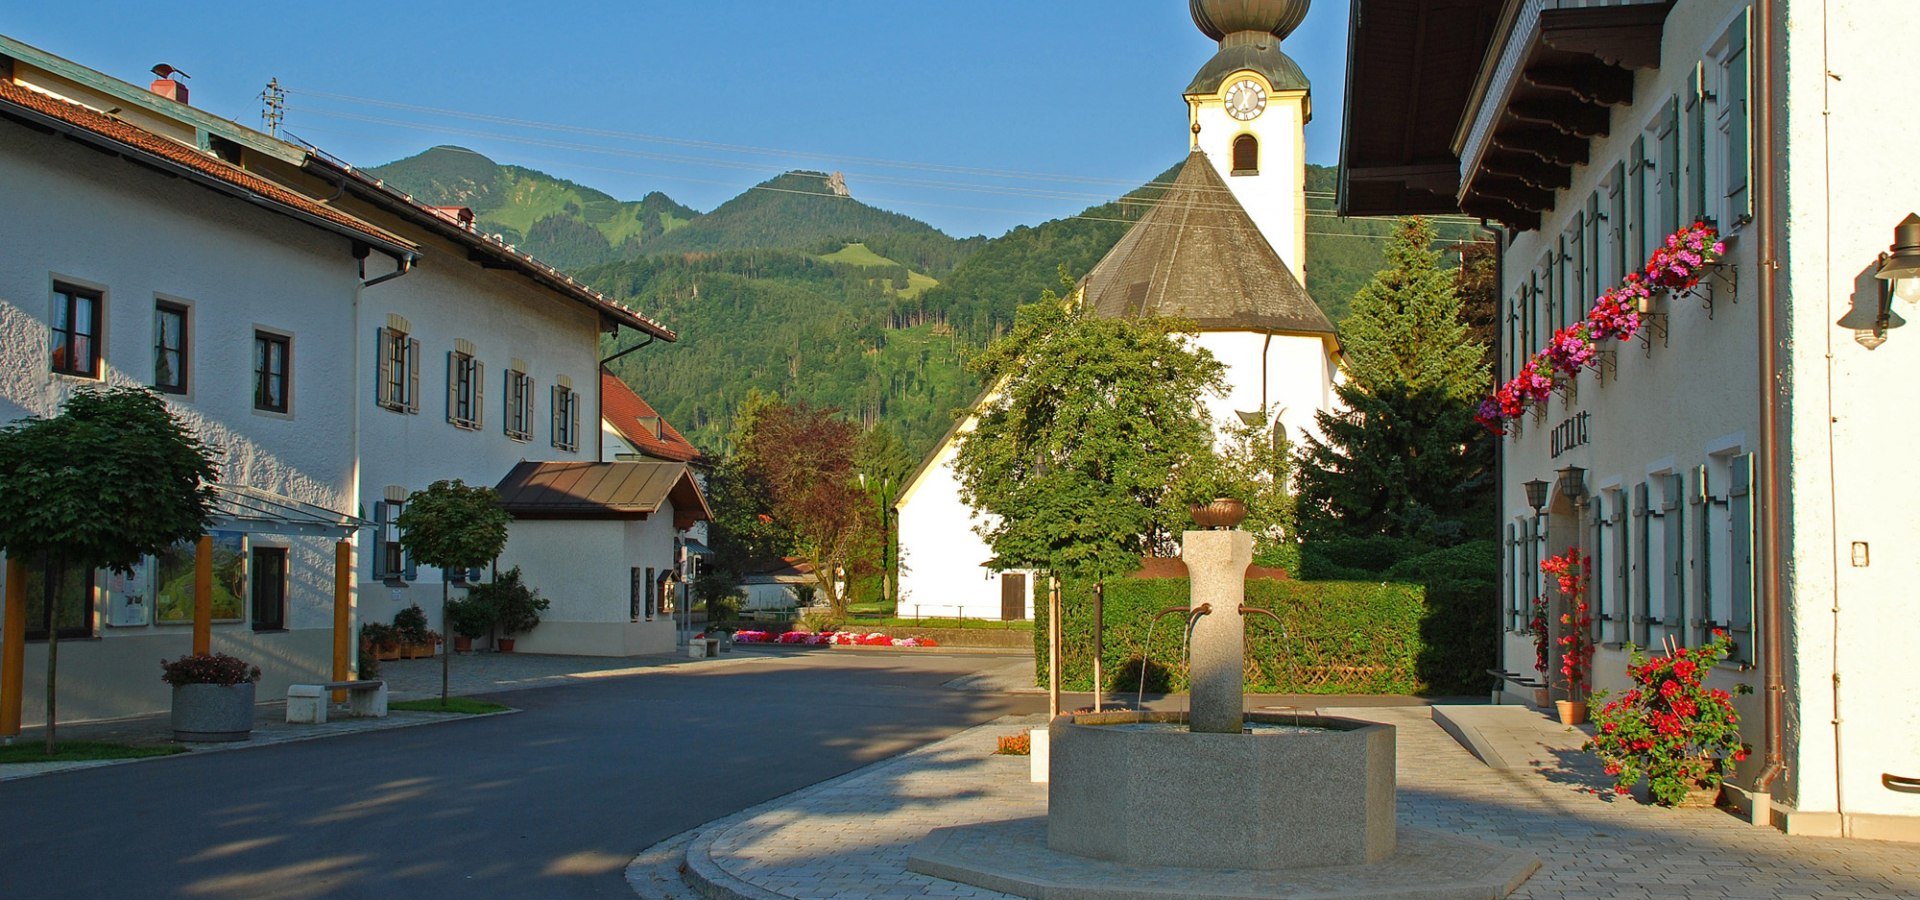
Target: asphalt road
551, 802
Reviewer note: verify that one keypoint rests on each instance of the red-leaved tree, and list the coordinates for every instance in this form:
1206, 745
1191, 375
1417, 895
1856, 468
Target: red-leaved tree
804, 456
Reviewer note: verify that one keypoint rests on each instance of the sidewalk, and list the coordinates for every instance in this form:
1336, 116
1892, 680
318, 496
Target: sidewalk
850, 837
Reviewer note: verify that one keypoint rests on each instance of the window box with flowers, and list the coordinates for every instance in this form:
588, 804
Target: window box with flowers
212, 697
1670, 728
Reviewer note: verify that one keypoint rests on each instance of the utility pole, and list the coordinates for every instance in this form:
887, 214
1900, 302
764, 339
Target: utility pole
273, 110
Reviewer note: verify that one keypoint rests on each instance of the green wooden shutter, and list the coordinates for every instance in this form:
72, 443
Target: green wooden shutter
1622, 570
1674, 613
379, 539
477, 382
1511, 596
1740, 556
413, 375
383, 375
1642, 589
453, 387
1696, 166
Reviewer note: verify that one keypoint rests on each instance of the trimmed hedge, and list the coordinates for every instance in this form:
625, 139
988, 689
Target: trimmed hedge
1399, 622
1343, 637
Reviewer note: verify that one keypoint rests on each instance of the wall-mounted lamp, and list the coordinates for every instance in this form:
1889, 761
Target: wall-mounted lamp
1573, 483
1536, 495
1899, 275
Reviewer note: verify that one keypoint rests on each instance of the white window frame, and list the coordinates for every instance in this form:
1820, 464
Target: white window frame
466, 393
518, 418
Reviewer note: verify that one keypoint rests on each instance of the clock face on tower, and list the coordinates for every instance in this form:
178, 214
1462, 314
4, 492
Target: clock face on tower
1246, 100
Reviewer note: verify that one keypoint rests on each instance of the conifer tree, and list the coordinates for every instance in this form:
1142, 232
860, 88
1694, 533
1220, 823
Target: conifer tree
1400, 454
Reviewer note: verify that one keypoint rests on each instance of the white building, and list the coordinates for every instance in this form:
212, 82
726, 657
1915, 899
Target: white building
340, 344
1223, 247
1736, 465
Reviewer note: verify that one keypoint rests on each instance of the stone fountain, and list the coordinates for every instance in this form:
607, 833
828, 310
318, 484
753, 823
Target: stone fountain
1218, 802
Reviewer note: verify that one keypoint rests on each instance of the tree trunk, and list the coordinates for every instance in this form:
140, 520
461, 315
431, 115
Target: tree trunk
54, 571
1054, 631
446, 658
1099, 626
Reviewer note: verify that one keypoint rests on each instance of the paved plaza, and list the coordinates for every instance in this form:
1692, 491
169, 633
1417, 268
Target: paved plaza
851, 837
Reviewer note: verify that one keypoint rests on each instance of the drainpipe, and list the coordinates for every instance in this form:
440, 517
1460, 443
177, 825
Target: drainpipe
405, 265
1772, 413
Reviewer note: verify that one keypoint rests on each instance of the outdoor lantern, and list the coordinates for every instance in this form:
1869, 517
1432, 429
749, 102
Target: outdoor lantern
1900, 267
1536, 495
1573, 483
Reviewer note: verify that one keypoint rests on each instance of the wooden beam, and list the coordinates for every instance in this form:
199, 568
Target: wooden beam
13, 648
1593, 83
1530, 169
1513, 191
1567, 116
203, 596
1626, 36
486, 261
1545, 143
1505, 213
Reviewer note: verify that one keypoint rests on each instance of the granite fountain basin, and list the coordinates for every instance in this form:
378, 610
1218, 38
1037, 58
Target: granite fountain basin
1315, 791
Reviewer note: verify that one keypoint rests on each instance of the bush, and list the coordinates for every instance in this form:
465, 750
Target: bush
1342, 637
518, 607
410, 625
1342, 558
379, 636
472, 617
208, 668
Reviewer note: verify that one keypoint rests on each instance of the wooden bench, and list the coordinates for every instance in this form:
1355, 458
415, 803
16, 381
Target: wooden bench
1538, 687
308, 702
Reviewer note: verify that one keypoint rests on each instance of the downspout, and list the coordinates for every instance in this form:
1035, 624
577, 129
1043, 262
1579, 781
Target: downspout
1773, 657
404, 265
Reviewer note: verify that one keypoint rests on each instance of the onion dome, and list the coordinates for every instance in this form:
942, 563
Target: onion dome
1220, 18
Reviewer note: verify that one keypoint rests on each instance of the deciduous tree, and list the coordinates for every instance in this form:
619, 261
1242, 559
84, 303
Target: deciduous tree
454, 526
114, 478
802, 457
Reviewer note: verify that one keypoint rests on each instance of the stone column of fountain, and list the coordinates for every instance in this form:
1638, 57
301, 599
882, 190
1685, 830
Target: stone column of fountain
1217, 567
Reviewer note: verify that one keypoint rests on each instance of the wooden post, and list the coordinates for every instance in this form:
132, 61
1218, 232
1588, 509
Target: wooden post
1054, 631
13, 648
1099, 625
342, 615
203, 595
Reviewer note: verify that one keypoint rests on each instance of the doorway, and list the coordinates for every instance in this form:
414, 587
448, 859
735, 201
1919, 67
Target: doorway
1013, 597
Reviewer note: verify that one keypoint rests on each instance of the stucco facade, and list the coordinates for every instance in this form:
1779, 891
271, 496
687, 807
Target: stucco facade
1668, 428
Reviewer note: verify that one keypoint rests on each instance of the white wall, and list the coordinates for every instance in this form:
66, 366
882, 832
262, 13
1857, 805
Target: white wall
103, 223
941, 556
1275, 199
1292, 375
583, 568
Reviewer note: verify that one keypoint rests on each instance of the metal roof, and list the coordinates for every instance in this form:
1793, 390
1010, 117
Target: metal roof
1265, 57
602, 490
1196, 255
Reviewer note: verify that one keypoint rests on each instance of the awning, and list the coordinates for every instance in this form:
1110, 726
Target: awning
695, 548
238, 507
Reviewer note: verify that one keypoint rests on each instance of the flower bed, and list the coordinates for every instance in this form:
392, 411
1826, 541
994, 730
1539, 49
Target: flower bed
833, 638
1679, 264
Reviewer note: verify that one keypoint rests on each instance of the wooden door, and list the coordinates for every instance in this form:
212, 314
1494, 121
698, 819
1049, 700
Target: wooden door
1013, 597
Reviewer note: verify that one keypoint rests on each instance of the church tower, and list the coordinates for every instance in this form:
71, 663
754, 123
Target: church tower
1247, 110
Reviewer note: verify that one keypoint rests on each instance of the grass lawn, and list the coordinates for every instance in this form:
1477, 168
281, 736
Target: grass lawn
34, 751
453, 705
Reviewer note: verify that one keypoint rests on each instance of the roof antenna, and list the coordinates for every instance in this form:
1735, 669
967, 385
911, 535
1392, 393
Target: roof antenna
274, 108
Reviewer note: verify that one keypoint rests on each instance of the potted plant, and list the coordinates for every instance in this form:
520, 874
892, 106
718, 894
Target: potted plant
1211, 495
1537, 629
1576, 642
212, 697
470, 618
517, 606
416, 639
1670, 728
380, 639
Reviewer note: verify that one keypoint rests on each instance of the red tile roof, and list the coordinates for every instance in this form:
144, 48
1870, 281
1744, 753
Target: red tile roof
154, 148
623, 409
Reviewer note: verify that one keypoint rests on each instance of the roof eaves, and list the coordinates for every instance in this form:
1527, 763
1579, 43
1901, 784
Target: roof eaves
380, 193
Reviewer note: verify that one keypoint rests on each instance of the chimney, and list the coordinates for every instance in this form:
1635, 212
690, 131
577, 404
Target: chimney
170, 89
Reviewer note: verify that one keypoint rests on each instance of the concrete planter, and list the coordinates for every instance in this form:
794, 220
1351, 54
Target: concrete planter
210, 713
1221, 801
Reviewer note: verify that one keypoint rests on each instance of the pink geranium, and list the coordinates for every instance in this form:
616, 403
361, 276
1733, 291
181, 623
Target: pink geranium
1616, 315
1570, 349
1678, 263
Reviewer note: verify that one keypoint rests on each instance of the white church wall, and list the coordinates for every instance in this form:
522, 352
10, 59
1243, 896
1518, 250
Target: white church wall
941, 556
1289, 375
1275, 197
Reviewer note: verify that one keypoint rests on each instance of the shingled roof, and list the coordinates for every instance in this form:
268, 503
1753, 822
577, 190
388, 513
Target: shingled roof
1197, 255
636, 420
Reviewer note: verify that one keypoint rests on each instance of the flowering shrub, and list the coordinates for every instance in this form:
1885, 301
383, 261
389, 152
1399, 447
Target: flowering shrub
1670, 728
208, 668
1015, 745
1576, 643
1537, 628
842, 638
1570, 350
1678, 263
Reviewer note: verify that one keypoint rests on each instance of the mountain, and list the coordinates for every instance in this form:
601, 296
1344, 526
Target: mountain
568, 225
802, 211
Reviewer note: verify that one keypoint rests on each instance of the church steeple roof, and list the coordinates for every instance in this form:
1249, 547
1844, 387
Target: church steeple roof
1197, 255
1249, 32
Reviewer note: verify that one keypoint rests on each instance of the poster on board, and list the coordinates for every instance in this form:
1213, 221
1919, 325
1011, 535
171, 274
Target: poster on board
129, 596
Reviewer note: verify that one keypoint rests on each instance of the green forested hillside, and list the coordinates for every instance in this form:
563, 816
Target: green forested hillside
566, 224
791, 287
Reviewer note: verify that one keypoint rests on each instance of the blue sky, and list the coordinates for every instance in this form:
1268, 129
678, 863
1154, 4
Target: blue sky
1080, 98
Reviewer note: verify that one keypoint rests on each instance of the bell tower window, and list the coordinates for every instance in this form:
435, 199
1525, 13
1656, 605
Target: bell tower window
1246, 155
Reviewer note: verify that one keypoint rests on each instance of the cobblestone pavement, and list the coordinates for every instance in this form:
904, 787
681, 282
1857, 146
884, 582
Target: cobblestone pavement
850, 837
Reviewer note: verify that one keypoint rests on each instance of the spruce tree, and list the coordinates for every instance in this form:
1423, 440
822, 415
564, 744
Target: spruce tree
1400, 454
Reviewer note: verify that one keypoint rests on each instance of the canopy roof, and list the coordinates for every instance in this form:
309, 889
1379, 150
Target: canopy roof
238, 507
603, 490
1197, 255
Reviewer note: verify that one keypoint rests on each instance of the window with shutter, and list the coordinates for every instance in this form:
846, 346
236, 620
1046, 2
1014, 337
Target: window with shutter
379, 539
413, 375
1696, 143
1617, 226
1673, 532
478, 405
1597, 558
1668, 170
1639, 176
1622, 571
1510, 597
456, 373
1733, 121
464, 378
558, 403
1700, 557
